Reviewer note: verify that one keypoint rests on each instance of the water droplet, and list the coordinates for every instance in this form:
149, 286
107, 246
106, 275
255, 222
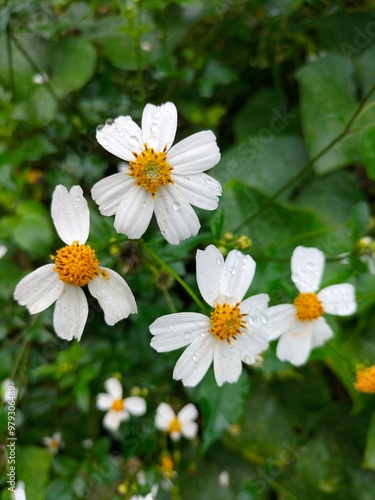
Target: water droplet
218, 360
243, 267
172, 327
228, 294
109, 122
99, 128
186, 334
219, 261
195, 358
187, 179
133, 140
210, 294
233, 270
207, 180
77, 199
156, 115
154, 127
247, 359
175, 205
144, 205
310, 265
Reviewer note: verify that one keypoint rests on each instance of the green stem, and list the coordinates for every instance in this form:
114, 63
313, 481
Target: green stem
309, 164
184, 285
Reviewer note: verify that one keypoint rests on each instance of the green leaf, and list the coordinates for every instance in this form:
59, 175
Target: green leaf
73, 63
264, 162
327, 103
221, 406
32, 468
369, 458
278, 229
33, 233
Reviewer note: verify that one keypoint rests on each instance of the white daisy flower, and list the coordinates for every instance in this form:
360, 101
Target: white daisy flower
158, 178
75, 265
301, 326
176, 425
53, 443
118, 408
231, 335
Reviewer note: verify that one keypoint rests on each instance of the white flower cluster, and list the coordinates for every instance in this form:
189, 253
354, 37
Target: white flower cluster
166, 180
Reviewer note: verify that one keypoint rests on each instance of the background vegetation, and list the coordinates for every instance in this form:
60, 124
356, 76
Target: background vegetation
288, 88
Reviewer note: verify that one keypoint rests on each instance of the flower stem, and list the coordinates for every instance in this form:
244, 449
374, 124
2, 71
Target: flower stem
183, 283
308, 166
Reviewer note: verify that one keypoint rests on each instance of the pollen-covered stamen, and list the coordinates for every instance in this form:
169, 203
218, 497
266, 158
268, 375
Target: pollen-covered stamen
227, 322
76, 264
150, 169
174, 425
308, 307
118, 405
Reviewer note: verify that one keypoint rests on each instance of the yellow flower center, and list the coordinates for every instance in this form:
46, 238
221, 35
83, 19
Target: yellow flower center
366, 380
227, 322
118, 405
174, 425
151, 169
76, 264
308, 307
53, 444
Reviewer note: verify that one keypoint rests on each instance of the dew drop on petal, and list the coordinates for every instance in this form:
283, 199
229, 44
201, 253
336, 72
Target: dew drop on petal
133, 140
194, 358
219, 261
210, 294
175, 205
186, 334
144, 205
233, 270
187, 179
99, 128
109, 122
207, 181
154, 127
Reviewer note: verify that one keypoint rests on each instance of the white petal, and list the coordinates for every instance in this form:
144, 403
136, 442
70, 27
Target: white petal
210, 265
113, 419
175, 435
70, 214
307, 268
200, 190
338, 299
195, 154
134, 213
189, 430
71, 311
39, 289
295, 346
280, 319
237, 275
250, 344
321, 332
164, 416
122, 137
135, 405
187, 413
256, 308
104, 401
108, 193
178, 330
113, 387
175, 217
159, 125
114, 296
227, 363
195, 361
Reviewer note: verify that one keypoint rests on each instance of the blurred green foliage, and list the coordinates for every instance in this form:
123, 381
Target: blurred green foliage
288, 88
